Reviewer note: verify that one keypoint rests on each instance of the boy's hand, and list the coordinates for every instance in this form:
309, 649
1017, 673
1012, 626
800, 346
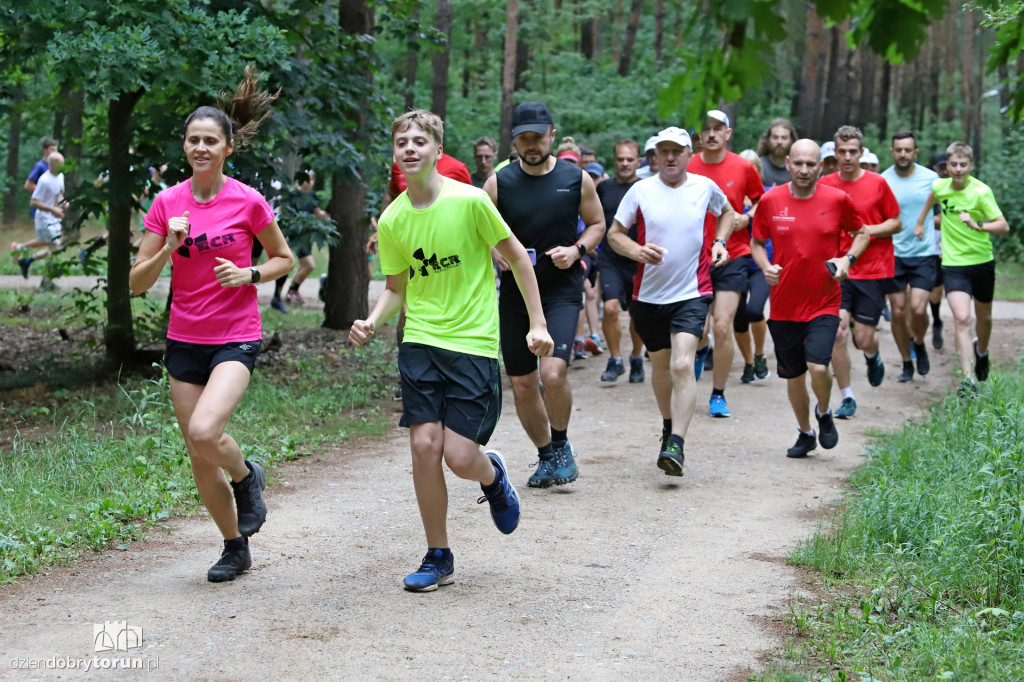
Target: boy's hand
360, 333
539, 342
969, 221
499, 260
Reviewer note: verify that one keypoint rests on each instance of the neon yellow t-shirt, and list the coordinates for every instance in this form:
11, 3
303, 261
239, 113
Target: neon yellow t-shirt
960, 244
451, 296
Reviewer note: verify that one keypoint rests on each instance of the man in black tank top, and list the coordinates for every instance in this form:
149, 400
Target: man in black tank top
541, 199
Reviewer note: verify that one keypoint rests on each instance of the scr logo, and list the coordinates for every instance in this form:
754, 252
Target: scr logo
203, 243
432, 263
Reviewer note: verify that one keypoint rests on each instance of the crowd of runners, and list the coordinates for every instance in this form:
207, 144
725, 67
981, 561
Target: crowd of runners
706, 249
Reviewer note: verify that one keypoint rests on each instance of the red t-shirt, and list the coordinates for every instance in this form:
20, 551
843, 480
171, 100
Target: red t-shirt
737, 178
876, 203
448, 166
805, 233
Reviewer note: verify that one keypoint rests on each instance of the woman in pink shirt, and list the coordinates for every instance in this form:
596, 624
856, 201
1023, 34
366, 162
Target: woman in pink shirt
206, 226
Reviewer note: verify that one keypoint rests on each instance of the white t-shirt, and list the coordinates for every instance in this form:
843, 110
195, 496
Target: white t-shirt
675, 219
49, 190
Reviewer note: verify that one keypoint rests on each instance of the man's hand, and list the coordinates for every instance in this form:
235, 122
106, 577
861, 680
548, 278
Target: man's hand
651, 254
919, 231
57, 211
500, 260
772, 274
842, 264
563, 256
719, 254
371, 244
177, 230
539, 342
230, 275
360, 333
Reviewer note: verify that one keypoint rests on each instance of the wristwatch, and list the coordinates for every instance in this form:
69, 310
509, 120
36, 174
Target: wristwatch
255, 275
582, 250
720, 241
853, 259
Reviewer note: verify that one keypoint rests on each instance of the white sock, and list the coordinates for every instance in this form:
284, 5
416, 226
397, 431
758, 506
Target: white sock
820, 414
847, 392
809, 433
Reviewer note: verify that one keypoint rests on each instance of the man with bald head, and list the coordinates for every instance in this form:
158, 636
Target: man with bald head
805, 220
48, 201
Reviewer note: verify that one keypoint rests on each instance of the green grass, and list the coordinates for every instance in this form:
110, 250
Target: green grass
97, 468
923, 564
1010, 280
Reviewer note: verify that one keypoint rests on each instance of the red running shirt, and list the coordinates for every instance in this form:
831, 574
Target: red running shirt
876, 203
448, 166
737, 178
805, 233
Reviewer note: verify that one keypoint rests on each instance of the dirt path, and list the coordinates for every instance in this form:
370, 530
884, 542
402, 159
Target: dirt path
624, 573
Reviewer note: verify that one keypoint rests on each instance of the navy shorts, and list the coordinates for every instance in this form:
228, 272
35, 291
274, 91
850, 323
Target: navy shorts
656, 323
921, 272
732, 276
193, 363
617, 280
460, 390
865, 298
797, 343
561, 317
977, 280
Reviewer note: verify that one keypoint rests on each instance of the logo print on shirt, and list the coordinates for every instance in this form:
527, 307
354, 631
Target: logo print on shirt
783, 216
433, 263
203, 243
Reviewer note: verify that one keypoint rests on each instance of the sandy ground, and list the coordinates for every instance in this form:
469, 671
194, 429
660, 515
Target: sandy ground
625, 573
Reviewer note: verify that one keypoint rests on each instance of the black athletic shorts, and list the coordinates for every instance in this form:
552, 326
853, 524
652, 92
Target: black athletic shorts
797, 343
732, 276
920, 272
617, 280
460, 390
193, 362
656, 323
303, 251
865, 298
590, 268
515, 325
752, 303
977, 280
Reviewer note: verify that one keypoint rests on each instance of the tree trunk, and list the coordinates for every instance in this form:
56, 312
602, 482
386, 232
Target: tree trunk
587, 27
883, 100
74, 130
659, 31
813, 72
14, 180
347, 275
866, 109
411, 62
966, 76
440, 60
627, 46
508, 75
119, 336
839, 89
482, 43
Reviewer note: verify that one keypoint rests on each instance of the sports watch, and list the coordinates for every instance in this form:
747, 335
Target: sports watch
255, 275
853, 259
582, 250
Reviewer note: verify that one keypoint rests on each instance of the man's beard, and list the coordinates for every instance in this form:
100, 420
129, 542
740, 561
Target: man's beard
543, 158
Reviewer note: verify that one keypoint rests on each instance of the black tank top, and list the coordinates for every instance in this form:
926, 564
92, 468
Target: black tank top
543, 212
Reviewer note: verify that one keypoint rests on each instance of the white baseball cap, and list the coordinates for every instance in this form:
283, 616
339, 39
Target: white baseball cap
869, 157
675, 135
719, 115
828, 150
651, 143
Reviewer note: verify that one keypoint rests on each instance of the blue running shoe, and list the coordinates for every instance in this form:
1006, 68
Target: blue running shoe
718, 407
876, 370
636, 370
438, 568
698, 361
846, 408
544, 476
505, 500
565, 465
614, 370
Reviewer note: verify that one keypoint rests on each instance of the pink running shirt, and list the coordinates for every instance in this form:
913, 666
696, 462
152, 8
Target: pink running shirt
202, 311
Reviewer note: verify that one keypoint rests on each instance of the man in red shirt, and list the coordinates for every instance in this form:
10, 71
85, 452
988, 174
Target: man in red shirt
807, 223
871, 280
738, 180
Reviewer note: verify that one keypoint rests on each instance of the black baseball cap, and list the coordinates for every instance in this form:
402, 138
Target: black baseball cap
940, 158
531, 117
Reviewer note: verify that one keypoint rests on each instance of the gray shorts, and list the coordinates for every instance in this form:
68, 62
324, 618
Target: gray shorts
48, 233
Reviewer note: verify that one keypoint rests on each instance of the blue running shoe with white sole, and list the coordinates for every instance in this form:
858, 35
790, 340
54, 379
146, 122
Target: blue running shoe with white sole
566, 470
698, 361
505, 500
718, 407
846, 408
438, 568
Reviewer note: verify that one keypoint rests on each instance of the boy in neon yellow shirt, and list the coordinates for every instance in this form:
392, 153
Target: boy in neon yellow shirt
443, 231
970, 216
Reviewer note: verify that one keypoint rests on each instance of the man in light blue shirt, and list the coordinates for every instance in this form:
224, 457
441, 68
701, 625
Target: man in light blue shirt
917, 256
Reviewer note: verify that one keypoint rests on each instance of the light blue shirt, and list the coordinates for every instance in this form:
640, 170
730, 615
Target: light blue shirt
911, 194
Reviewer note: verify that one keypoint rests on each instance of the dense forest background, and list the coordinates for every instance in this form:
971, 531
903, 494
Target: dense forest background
112, 80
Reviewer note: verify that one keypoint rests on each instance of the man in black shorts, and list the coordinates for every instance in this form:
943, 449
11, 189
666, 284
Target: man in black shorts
542, 198
617, 272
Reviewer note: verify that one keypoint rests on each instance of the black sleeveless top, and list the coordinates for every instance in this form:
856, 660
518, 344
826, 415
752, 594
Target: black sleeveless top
543, 212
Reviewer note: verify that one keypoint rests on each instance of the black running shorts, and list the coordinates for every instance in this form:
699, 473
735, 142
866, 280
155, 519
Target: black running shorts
732, 276
460, 390
617, 280
194, 362
656, 323
798, 343
977, 280
865, 298
921, 272
752, 303
515, 324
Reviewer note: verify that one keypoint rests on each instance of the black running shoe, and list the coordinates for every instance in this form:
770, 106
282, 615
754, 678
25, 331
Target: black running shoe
907, 374
252, 510
24, 264
924, 365
876, 370
748, 374
233, 560
937, 335
565, 469
544, 476
670, 459
636, 370
828, 436
805, 443
980, 363
761, 367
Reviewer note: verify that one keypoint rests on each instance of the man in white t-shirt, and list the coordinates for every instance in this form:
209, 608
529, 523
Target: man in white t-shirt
672, 289
48, 201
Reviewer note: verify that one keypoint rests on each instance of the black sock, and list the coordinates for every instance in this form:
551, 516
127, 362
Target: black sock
239, 543
908, 364
935, 312
559, 436
494, 484
666, 425
547, 451
678, 440
718, 391
445, 551
278, 286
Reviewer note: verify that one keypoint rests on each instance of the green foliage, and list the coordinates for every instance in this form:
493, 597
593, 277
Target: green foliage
1008, 19
925, 559
1004, 173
